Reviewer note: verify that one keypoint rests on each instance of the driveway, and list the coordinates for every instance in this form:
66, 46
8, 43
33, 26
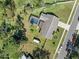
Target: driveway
66, 26
63, 25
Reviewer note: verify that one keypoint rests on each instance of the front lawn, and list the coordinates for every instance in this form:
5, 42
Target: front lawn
52, 44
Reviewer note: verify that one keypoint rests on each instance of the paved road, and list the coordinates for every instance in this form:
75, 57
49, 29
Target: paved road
72, 29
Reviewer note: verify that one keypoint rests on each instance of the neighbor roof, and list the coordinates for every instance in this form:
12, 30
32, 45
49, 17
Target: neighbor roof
25, 57
49, 24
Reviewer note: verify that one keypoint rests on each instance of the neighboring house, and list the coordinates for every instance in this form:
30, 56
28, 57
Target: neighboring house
26, 56
48, 24
34, 20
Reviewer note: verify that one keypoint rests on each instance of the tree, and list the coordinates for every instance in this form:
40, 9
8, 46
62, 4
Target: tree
10, 5
3, 55
19, 35
5, 29
17, 31
19, 20
41, 54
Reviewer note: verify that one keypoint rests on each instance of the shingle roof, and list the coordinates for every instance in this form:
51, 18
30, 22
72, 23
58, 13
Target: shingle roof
49, 25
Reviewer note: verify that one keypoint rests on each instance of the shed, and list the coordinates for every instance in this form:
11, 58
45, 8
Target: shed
36, 40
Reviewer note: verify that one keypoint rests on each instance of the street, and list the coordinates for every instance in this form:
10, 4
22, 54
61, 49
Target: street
68, 36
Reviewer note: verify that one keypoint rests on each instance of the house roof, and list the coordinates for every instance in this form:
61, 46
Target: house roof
25, 56
49, 25
45, 17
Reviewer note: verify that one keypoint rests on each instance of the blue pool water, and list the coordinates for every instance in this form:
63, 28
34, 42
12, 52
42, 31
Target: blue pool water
34, 21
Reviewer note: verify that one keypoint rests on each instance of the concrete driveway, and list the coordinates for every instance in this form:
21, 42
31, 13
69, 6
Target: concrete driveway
66, 26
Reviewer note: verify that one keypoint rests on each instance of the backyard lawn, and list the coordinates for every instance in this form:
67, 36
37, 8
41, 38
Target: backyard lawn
50, 44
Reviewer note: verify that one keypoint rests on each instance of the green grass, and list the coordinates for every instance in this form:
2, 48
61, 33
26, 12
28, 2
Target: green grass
75, 58
37, 11
1, 43
12, 49
1, 14
61, 10
49, 43
19, 3
49, 1
57, 9
52, 47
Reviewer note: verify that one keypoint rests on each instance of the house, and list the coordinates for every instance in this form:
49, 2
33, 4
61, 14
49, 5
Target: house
26, 56
34, 20
48, 24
